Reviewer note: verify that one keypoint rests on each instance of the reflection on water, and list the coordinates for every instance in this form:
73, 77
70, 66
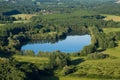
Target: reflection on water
70, 44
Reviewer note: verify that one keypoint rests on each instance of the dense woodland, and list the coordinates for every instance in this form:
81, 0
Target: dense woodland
53, 21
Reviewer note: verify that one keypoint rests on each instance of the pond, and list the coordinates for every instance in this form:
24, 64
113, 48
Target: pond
70, 44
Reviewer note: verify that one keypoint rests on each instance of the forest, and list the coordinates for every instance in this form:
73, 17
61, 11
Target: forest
24, 21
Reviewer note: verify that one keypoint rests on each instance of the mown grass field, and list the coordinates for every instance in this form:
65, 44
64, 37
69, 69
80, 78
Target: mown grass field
36, 60
112, 17
23, 16
108, 30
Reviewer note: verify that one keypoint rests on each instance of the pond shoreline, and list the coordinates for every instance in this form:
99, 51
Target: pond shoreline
70, 44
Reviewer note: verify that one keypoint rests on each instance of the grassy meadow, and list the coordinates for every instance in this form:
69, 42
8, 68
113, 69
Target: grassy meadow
23, 16
108, 30
112, 17
35, 60
98, 69
2, 24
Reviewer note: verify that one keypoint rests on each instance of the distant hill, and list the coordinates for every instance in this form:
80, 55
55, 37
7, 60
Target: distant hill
54, 1
118, 1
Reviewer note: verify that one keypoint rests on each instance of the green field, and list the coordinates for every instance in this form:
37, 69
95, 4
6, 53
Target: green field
35, 60
23, 16
114, 51
108, 30
2, 24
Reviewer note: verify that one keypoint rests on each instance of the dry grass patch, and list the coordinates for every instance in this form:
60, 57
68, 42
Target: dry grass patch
23, 16
112, 17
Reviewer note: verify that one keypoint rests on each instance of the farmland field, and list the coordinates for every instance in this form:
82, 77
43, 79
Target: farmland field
112, 17
23, 16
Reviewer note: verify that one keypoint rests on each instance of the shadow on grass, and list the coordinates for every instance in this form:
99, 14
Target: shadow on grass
49, 78
100, 50
77, 61
32, 72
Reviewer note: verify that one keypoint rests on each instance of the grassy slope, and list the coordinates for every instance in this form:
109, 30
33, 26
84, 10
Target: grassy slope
104, 66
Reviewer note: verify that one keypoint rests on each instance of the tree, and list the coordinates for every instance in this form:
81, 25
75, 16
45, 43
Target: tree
58, 60
8, 71
111, 44
87, 50
67, 70
29, 53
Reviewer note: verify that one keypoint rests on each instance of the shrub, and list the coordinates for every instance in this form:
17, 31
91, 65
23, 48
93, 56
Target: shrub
67, 70
97, 56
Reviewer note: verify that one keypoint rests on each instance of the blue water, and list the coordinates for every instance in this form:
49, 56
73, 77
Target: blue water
70, 44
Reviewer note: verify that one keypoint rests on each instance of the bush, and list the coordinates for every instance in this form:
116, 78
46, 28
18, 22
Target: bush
58, 60
9, 71
87, 50
95, 56
29, 53
67, 70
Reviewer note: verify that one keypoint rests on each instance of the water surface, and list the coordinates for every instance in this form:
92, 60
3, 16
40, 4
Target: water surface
70, 44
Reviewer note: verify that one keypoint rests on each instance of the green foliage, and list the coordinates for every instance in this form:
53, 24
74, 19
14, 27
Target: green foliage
95, 56
67, 70
87, 50
100, 70
100, 39
28, 53
8, 70
53, 23
59, 60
